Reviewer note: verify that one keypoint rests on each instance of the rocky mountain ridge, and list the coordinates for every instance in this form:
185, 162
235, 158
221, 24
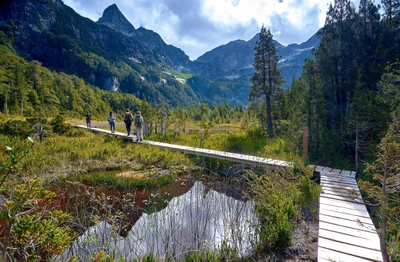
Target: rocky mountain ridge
113, 55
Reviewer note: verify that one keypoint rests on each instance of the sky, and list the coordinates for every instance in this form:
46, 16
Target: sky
198, 26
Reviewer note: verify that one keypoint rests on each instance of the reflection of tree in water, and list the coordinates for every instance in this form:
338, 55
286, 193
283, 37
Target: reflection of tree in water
200, 219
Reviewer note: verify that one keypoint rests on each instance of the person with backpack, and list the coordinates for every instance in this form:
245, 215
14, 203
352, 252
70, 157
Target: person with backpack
139, 126
111, 120
128, 121
88, 120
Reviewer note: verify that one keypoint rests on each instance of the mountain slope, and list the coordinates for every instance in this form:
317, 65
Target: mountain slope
113, 55
235, 59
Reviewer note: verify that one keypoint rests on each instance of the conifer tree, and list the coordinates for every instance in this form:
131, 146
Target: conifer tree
268, 78
386, 170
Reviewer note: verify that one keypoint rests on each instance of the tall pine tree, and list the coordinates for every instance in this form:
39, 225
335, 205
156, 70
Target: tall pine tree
268, 78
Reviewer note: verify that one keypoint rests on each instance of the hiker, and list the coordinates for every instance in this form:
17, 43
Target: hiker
128, 121
88, 120
111, 120
139, 126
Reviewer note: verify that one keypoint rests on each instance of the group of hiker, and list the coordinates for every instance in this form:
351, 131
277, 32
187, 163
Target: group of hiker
137, 120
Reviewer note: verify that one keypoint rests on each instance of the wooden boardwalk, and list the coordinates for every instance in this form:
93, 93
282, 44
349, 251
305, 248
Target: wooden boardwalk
241, 158
346, 231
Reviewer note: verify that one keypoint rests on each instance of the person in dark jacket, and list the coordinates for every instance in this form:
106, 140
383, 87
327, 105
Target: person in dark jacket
128, 121
88, 120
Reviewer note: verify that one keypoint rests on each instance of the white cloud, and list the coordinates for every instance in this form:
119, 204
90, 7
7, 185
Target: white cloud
197, 26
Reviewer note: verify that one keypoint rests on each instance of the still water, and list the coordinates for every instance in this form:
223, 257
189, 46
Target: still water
200, 219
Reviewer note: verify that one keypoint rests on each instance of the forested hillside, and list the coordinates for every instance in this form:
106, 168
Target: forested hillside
30, 90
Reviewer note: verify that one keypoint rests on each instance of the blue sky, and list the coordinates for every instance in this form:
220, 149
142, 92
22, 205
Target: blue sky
198, 26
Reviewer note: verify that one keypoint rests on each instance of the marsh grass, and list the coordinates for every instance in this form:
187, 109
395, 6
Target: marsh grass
111, 180
78, 152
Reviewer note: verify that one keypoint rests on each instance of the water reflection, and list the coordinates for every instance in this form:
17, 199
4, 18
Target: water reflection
201, 219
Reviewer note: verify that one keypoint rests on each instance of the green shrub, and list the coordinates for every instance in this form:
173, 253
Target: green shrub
59, 126
280, 196
18, 128
76, 132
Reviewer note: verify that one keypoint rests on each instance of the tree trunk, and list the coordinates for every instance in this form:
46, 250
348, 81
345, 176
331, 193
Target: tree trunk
269, 116
382, 233
357, 157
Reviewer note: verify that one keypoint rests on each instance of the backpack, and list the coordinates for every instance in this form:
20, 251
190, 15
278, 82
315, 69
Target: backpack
138, 121
128, 118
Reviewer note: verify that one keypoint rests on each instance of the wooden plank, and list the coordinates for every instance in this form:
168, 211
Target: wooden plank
366, 221
340, 189
339, 179
345, 173
343, 204
371, 235
354, 212
336, 171
327, 170
342, 198
339, 184
341, 176
352, 240
341, 193
325, 254
347, 223
319, 168
344, 248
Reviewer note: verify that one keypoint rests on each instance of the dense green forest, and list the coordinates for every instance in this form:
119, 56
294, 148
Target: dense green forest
348, 95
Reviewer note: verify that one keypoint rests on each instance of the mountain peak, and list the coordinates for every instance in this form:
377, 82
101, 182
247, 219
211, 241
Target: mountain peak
113, 18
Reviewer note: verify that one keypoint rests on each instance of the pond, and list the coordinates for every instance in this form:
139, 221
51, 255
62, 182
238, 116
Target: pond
203, 218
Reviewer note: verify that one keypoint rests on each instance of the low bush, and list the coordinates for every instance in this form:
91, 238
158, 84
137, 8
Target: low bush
280, 196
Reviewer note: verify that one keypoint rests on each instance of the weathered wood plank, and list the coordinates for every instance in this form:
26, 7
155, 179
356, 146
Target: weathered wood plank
327, 170
329, 192
340, 187
349, 180
366, 221
343, 248
345, 173
347, 223
336, 171
371, 235
352, 240
333, 183
342, 198
344, 204
339, 184
355, 212
342, 195
325, 254
319, 168
340, 190
338, 176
